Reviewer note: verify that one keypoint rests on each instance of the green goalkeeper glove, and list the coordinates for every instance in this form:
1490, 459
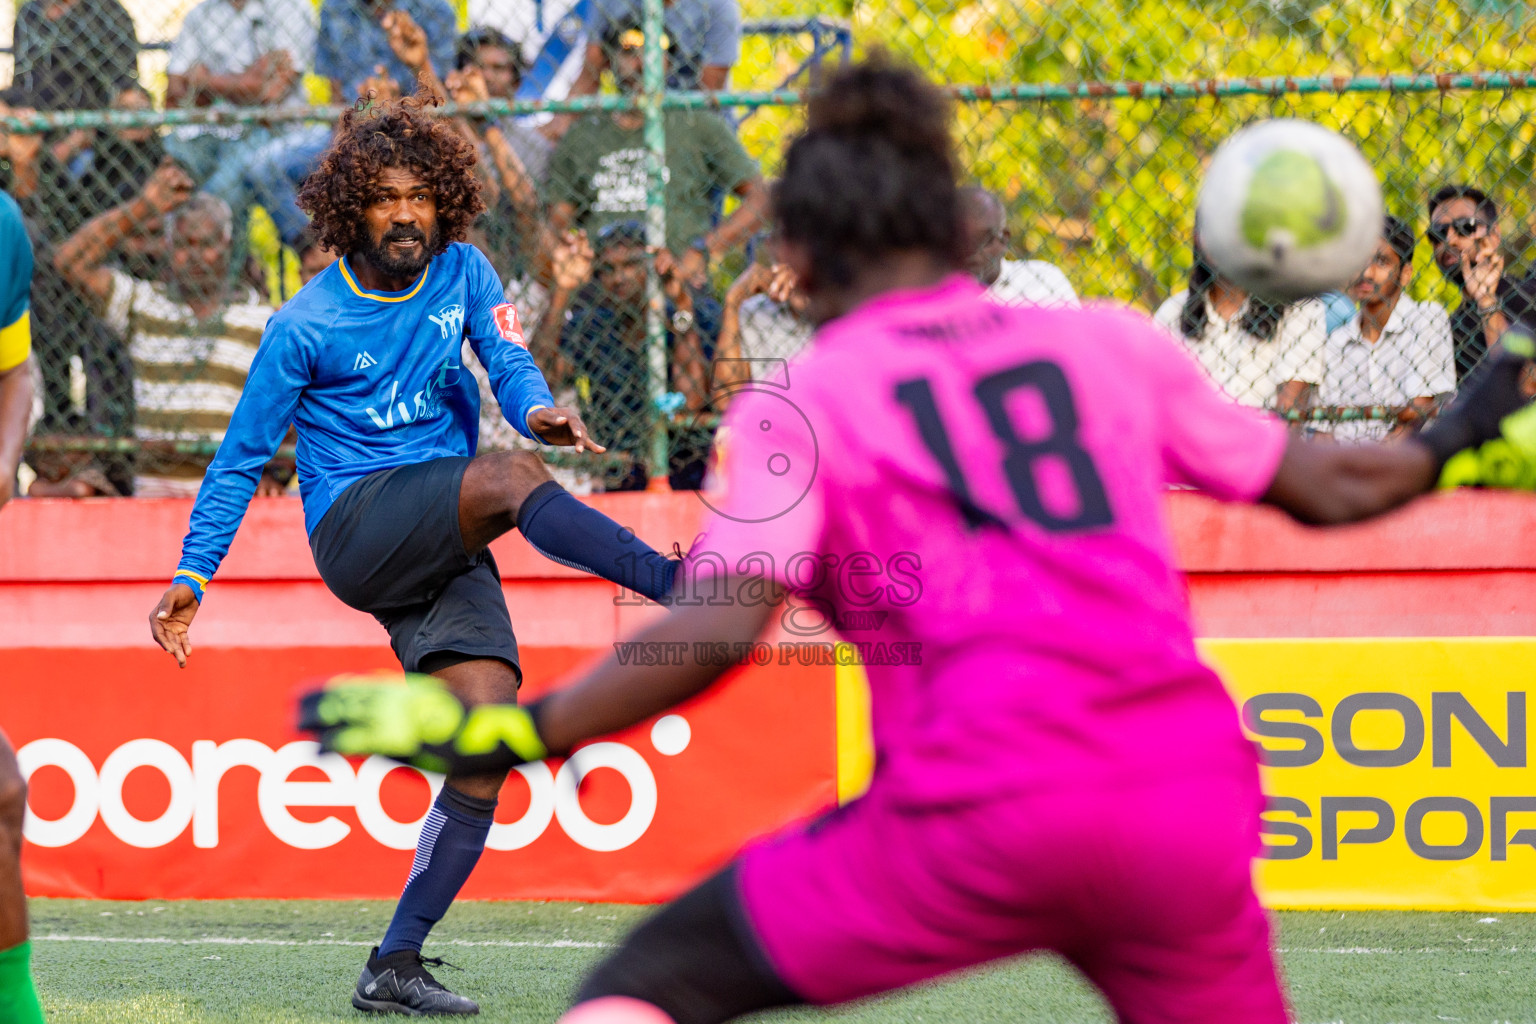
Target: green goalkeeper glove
416, 720
1507, 461
1484, 405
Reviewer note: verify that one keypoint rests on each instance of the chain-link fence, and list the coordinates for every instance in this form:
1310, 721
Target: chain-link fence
626, 147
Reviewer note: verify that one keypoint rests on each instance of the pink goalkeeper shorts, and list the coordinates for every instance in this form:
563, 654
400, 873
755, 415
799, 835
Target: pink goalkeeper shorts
1147, 889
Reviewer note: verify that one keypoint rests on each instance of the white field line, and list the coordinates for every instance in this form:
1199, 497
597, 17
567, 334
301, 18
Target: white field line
215, 940
1400, 952
219, 940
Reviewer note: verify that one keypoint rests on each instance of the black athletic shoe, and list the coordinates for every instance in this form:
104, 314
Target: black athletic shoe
399, 983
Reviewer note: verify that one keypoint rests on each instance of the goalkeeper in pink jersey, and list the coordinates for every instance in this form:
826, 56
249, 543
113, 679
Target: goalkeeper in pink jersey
1057, 770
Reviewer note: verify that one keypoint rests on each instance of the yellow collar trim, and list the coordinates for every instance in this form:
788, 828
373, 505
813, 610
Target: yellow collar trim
347, 275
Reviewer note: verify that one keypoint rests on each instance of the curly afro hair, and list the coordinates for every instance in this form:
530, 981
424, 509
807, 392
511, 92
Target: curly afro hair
405, 134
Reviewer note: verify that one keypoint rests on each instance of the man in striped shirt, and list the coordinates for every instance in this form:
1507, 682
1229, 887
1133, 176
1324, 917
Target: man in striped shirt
191, 336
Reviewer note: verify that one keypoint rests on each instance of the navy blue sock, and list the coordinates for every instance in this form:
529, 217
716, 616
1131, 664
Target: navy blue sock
564, 530
452, 839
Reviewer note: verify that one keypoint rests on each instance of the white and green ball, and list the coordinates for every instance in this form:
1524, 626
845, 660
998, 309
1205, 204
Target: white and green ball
1289, 209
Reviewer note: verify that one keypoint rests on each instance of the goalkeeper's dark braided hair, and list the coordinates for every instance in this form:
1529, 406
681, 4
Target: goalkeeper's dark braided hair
873, 173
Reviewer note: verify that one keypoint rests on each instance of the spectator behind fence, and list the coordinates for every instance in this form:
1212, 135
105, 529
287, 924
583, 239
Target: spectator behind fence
500, 63
358, 37
514, 156
1259, 352
513, 232
1011, 282
71, 54
703, 41
763, 325
595, 340
190, 339
1394, 351
1464, 230
368, 51
234, 53
552, 35
84, 380
15, 343
597, 175
570, 260
312, 258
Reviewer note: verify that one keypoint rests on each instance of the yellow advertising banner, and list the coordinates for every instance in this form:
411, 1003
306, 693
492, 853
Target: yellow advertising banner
1398, 770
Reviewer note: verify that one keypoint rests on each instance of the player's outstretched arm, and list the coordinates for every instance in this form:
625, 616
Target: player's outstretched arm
421, 723
1325, 483
1320, 482
277, 376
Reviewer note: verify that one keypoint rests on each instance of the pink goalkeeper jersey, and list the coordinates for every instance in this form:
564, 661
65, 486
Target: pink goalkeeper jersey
974, 494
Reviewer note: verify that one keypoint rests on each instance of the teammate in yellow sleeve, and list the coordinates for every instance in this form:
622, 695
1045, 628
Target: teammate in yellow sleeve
15, 342
18, 997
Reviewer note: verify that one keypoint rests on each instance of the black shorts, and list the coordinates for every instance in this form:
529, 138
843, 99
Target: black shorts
697, 959
390, 546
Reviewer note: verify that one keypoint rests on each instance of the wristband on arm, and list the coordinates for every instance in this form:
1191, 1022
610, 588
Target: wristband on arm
197, 582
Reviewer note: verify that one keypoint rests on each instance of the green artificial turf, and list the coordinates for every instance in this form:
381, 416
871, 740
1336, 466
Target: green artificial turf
296, 961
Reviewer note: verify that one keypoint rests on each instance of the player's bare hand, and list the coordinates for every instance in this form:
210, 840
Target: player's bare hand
407, 39
1482, 269
168, 187
563, 427
171, 620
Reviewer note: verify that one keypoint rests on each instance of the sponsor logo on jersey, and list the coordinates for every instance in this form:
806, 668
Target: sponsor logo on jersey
363, 361
450, 320
426, 403
507, 323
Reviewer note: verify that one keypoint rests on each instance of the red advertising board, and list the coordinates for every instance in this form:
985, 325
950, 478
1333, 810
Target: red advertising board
150, 782
154, 783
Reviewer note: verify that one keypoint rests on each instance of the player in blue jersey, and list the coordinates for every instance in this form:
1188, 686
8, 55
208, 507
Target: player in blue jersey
364, 361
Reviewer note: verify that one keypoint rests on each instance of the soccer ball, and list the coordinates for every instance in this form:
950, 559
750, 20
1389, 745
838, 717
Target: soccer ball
1289, 209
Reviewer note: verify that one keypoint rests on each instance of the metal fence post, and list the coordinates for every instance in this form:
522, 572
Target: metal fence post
655, 85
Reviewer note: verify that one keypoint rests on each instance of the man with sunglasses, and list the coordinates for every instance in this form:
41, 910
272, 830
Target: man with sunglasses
1464, 230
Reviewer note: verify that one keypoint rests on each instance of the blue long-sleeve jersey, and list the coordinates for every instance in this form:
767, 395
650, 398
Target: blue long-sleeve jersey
371, 380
